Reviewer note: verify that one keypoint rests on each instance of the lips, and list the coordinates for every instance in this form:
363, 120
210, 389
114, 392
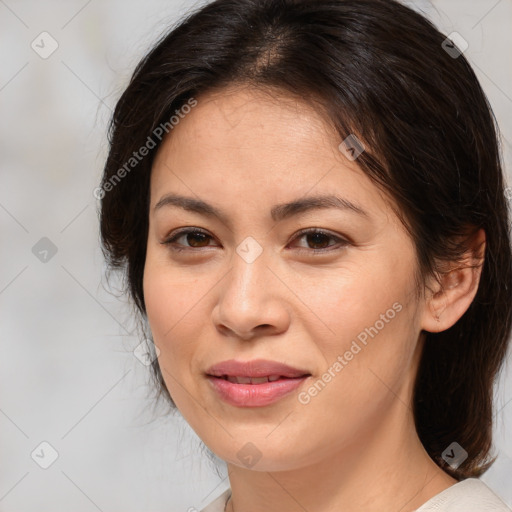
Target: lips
255, 383
254, 369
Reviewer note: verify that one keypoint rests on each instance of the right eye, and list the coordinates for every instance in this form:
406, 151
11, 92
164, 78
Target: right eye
194, 236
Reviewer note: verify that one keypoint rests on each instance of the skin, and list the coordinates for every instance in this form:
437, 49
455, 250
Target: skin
353, 446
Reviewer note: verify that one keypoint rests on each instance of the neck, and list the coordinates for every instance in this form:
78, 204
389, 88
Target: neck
383, 470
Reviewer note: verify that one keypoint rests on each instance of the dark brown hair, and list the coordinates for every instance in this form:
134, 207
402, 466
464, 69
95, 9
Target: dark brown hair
383, 72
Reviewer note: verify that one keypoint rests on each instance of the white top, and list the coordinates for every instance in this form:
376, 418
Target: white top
470, 495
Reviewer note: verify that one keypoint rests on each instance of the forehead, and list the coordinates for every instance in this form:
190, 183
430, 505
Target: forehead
259, 146
247, 118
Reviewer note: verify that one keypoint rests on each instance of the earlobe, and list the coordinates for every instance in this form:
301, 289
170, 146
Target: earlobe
456, 288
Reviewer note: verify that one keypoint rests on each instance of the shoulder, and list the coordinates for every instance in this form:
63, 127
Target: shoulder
218, 504
470, 495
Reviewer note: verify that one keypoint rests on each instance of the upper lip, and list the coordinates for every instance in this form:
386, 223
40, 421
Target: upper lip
254, 368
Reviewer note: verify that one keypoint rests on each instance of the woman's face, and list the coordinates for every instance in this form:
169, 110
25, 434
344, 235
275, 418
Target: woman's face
340, 306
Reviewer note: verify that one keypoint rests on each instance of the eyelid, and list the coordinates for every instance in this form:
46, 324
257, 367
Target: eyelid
326, 232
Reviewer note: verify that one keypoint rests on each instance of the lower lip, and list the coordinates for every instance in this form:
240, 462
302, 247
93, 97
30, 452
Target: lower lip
254, 395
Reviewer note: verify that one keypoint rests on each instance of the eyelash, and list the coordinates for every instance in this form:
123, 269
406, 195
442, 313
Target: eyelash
171, 240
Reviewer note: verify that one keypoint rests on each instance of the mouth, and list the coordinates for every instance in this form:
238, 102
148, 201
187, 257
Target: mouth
255, 369
252, 380
254, 383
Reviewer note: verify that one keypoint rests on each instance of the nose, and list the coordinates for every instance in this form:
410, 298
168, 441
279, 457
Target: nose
252, 300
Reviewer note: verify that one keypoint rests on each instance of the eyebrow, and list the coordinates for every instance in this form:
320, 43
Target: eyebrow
278, 212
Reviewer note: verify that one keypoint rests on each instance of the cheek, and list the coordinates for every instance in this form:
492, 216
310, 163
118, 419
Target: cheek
171, 302
360, 301
372, 316
360, 384
178, 310
172, 294
165, 307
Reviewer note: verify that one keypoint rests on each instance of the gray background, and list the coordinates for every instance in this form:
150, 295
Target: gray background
68, 375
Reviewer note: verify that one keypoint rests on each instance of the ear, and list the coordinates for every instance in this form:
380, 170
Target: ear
449, 297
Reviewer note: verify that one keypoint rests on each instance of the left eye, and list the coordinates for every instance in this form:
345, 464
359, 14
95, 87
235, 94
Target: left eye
320, 238
196, 239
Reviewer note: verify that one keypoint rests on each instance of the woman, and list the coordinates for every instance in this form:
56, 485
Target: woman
307, 202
